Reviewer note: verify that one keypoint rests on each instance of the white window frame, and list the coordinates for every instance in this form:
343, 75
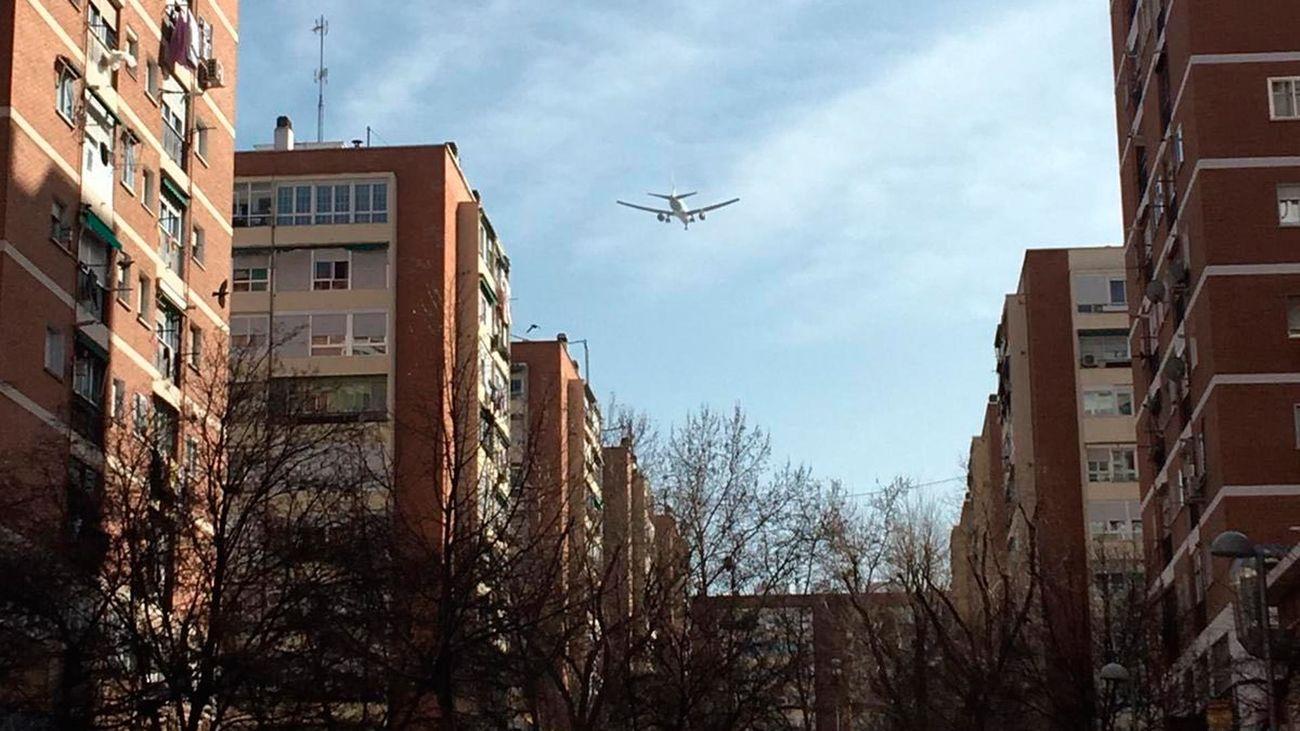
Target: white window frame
348, 344
1112, 394
130, 159
143, 299
1113, 466
1179, 150
249, 284
1288, 202
243, 337
123, 284
198, 244
1294, 81
333, 280
65, 93
314, 214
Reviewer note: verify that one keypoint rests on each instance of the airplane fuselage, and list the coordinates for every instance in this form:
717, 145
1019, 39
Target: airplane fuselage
679, 211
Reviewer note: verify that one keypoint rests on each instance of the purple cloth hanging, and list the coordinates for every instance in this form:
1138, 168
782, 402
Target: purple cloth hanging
183, 44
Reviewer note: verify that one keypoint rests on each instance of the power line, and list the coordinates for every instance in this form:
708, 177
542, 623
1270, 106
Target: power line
960, 478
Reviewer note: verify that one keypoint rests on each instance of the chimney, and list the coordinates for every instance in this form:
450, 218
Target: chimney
562, 337
283, 133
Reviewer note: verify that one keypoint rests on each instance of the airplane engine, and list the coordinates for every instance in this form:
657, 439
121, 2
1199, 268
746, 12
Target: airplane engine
661, 217
701, 215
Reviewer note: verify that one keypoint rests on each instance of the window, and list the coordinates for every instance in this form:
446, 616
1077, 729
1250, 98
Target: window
174, 111
198, 244
123, 283
195, 355
152, 79
132, 51
142, 302
170, 241
66, 93
102, 28
140, 414
329, 334
252, 273
330, 269
146, 189
167, 331
205, 39
60, 231
369, 333
130, 154
1118, 293
301, 204
1284, 101
1112, 464
1296, 416
332, 398
1103, 348
54, 352
1100, 293
249, 332
88, 371
1179, 150
118, 405
1288, 205
201, 138
1115, 401
252, 203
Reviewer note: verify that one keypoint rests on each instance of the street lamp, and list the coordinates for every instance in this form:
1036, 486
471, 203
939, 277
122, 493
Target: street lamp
1112, 675
1234, 544
837, 671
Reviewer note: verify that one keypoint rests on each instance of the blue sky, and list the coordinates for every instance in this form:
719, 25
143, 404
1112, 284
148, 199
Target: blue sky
894, 160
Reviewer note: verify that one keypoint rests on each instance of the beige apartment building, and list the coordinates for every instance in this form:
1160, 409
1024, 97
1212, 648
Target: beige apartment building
1052, 479
375, 279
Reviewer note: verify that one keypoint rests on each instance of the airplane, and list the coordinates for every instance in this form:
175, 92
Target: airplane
676, 209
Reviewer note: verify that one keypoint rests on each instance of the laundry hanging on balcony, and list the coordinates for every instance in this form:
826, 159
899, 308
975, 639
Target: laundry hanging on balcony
182, 46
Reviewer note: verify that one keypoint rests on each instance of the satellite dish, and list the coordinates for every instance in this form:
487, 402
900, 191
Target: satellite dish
1156, 291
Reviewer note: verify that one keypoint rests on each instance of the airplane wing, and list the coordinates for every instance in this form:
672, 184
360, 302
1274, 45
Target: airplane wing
713, 207
644, 208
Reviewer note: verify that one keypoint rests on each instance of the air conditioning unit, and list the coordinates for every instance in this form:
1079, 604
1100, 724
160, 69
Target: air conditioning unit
212, 74
1088, 361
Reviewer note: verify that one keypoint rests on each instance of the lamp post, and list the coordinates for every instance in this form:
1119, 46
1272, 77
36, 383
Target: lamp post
1234, 544
1112, 675
837, 671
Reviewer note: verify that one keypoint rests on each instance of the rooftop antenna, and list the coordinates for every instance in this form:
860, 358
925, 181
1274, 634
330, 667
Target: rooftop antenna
322, 75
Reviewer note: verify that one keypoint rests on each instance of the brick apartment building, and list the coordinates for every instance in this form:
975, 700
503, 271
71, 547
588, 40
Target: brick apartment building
628, 532
378, 281
1052, 481
116, 154
557, 453
1208, 108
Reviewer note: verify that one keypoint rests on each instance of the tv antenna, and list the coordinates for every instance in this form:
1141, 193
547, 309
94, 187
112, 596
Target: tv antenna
322, 75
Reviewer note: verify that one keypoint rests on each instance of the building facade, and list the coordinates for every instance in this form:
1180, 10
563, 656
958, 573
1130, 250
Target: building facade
116, 157
1206, 100
557, 457
1052, 481
377, 283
